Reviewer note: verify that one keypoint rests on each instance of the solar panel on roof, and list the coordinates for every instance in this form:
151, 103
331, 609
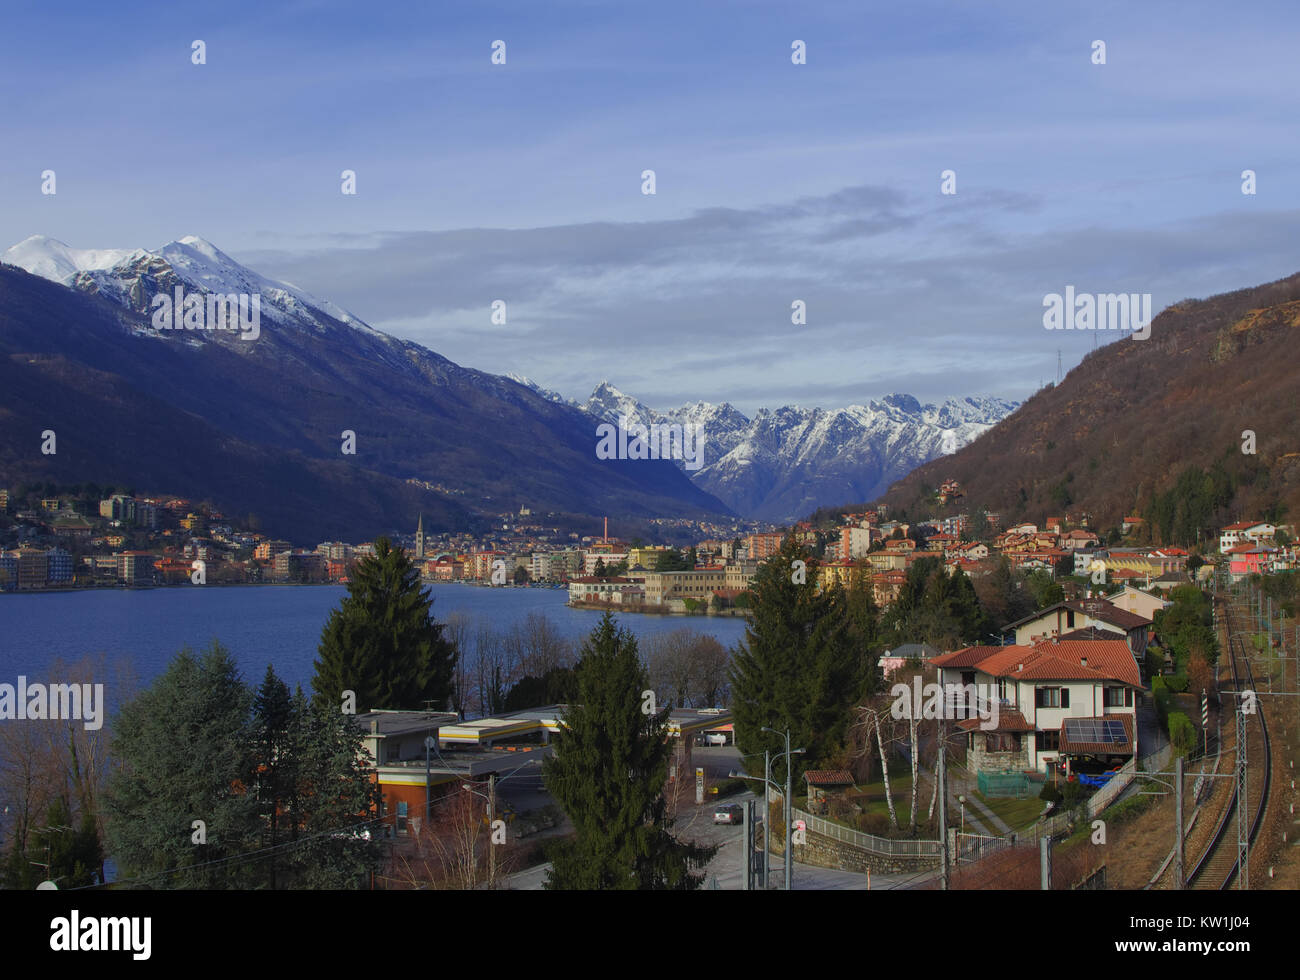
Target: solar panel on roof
1095, 730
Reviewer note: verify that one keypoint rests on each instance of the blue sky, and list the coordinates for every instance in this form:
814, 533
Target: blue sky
775, 182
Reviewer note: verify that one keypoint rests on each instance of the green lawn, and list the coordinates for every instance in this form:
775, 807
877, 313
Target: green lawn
1016, 814
871, 797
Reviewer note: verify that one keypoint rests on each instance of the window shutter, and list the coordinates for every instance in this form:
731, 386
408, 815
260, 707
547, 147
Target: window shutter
1065, 697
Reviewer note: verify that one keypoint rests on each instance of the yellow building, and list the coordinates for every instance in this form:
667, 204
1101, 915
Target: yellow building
646, 557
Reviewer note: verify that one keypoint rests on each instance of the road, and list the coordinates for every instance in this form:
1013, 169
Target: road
696, 824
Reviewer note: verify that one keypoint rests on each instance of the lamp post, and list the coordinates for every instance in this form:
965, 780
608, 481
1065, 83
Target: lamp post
962, 801
767, 782
789, 805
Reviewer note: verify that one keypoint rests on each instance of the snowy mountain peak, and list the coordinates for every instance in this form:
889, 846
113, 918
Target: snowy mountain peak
130, 276
52, 259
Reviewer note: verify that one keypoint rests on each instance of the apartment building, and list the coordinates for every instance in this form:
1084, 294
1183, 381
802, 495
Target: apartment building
697, 584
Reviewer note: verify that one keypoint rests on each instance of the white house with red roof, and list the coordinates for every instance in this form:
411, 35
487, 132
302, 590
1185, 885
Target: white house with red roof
1064, 617
1067, 704
1244, 532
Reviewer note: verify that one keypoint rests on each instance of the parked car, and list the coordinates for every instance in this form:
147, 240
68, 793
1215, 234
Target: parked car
730, 813
717, 738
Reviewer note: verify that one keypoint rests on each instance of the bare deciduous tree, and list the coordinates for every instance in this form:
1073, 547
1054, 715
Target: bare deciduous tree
870, 718
457, 631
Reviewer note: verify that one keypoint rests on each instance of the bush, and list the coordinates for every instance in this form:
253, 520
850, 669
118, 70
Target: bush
1049, 793
1178, 682
1182, 733
873, 823
1072, 793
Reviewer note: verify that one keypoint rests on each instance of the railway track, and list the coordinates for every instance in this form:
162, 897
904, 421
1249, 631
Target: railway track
1217, 868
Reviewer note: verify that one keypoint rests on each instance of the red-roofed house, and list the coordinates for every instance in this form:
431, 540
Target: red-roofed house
1072, 615
1068, 703
1249, 559
1244, 532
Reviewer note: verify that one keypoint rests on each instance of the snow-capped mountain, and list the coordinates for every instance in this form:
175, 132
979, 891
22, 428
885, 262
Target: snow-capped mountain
316, 369
784, 463
50, 258
131, 277
255, 420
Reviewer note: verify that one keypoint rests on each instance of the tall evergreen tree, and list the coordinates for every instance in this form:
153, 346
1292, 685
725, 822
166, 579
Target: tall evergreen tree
182, 748
608, 772
332, 802
382, 641
273, 762
936, 607
804, 662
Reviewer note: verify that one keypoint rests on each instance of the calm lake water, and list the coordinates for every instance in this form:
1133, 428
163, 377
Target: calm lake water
279, 625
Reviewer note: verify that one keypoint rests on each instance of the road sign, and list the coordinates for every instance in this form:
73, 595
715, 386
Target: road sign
699, 786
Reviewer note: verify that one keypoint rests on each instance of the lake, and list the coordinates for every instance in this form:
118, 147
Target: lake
279, 625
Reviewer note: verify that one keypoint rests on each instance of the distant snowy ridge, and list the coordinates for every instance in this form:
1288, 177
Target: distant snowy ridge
786, 462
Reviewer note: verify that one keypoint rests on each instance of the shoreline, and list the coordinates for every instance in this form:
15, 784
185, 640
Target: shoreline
57, 589
660, 611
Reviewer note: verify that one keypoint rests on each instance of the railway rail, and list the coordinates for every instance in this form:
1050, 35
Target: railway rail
1218, 866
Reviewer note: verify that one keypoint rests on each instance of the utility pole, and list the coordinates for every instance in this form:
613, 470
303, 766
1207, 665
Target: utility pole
1243, 823
492, 848
1179, 876
943, 819
767, 816
1045, 863
748, 844
428, 789
789, 812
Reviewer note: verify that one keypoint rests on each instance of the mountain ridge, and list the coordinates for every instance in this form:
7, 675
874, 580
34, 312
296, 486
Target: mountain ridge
1153, 428
292, 391
783, 462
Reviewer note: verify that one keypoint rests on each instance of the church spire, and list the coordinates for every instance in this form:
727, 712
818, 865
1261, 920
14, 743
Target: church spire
419, 538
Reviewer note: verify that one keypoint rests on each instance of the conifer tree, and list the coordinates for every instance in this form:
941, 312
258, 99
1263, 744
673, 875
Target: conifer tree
805, 661
382, 642
609, 771
182, 747
333, 800
273, 762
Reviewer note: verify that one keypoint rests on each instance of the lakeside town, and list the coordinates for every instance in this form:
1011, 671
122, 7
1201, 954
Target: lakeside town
147, 541
1056, 706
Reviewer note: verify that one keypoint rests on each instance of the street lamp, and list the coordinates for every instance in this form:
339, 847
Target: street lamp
789, 804
962, 801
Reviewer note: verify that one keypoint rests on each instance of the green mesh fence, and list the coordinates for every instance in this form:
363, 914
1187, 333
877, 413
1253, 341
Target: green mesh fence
1015, 784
